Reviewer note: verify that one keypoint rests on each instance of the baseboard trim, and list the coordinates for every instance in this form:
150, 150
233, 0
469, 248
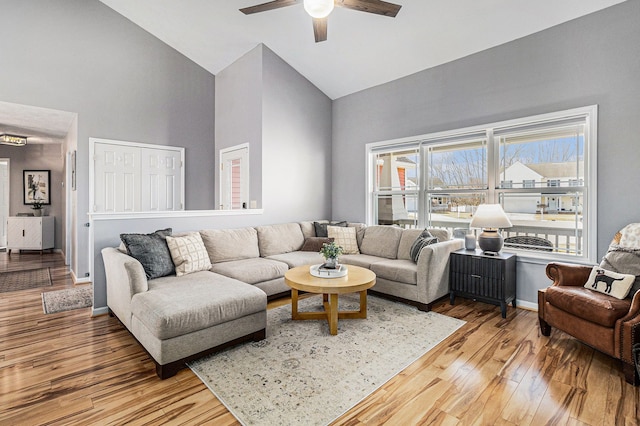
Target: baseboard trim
76, 280
527, 305
99, 311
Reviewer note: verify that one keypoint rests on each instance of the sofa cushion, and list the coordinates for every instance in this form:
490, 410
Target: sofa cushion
251, 271
224, 245
587, 304
188, 253
151, 251
321, 227
174, 306
307, 228
345, 237
382, 241
404, 271
362, 260
298, 258
278, 239
406, 241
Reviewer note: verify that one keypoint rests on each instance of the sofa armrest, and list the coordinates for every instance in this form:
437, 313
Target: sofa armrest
568, 274
433, 269
125, 277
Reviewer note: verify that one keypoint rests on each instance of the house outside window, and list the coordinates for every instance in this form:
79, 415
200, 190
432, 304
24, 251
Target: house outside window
541, 169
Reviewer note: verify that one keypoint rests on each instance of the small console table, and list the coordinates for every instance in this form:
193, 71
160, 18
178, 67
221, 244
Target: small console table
491, 279
30, 233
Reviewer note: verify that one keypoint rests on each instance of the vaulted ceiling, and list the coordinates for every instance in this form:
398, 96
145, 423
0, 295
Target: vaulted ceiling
363, 50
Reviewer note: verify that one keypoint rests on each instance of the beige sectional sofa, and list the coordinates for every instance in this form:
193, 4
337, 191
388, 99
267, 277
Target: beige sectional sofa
180, 318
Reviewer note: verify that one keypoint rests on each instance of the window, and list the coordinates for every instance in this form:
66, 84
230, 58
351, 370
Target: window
540, 169
396, 187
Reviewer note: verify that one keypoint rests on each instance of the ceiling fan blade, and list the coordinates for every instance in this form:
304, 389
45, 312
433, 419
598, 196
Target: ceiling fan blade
270, 5
320, 29
378, 7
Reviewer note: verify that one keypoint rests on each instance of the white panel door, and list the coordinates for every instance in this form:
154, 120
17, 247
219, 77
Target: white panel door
117, 178
162, 179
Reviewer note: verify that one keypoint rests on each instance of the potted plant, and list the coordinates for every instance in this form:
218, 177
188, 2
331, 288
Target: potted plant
37, 207
331, 251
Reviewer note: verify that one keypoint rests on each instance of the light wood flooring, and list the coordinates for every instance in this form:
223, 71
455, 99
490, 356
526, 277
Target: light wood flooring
69, 368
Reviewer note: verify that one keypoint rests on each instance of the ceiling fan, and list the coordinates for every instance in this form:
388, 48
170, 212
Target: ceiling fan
320, 10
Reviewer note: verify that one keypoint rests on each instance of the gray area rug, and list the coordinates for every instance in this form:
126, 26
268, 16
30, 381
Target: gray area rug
67, 299
301, 375
23, 280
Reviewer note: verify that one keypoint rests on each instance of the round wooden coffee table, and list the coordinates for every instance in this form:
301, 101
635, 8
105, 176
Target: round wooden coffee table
358, 280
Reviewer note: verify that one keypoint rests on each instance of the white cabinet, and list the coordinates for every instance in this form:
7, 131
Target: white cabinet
30, 233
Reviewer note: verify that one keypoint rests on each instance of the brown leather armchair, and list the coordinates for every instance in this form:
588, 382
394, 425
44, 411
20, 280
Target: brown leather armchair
603, 322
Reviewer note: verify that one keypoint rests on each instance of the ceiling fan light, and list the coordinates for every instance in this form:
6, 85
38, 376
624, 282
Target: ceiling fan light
318, 8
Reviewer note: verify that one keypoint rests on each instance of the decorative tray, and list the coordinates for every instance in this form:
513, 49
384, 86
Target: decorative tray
318, 271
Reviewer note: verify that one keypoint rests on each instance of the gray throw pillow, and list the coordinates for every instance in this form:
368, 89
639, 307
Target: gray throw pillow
152, 251
321, 228
423, 240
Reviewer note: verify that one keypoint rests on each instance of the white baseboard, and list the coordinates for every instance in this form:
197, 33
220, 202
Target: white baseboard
99, 311
527, 305
76, 280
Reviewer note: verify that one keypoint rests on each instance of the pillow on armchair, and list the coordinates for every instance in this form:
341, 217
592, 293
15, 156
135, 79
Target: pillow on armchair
608, 282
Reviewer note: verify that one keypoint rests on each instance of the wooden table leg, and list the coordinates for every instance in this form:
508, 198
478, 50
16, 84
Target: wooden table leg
333, 314
363, 304
294, 304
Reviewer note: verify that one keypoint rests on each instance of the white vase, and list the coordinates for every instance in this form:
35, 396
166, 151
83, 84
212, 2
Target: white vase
331, 263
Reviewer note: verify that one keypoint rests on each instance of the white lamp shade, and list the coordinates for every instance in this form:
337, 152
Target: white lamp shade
318, 8
490, 216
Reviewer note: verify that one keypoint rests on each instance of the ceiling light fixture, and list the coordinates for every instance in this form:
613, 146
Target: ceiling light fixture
14, 140
318, 8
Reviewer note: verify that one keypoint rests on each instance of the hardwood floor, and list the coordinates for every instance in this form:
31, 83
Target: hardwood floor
69, 368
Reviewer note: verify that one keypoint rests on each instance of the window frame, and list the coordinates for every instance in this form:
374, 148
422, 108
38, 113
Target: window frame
588, 115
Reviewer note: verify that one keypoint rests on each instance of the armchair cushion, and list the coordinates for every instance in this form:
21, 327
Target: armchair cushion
587, 304
608, 282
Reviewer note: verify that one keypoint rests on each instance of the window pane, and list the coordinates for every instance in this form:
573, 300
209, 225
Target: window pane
397, 209
548, 220
461, 165
550, 158
453, 210
396, 171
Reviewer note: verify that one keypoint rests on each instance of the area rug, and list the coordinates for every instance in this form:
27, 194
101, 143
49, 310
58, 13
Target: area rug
23, 280
67, 299
301, 375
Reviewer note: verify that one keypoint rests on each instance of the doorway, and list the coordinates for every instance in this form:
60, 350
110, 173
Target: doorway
4, 199
234, 177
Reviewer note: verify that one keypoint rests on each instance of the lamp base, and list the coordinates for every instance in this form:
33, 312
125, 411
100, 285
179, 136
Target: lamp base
490, 240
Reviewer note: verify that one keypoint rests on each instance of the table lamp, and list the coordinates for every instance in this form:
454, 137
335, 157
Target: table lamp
490, 217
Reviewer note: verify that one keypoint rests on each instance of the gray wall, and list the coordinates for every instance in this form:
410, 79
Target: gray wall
291, 128
81, 56
38, 157
239, 116
296, 144
592, 60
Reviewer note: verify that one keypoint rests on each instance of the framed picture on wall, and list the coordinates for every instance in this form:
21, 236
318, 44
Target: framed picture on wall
37, 186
